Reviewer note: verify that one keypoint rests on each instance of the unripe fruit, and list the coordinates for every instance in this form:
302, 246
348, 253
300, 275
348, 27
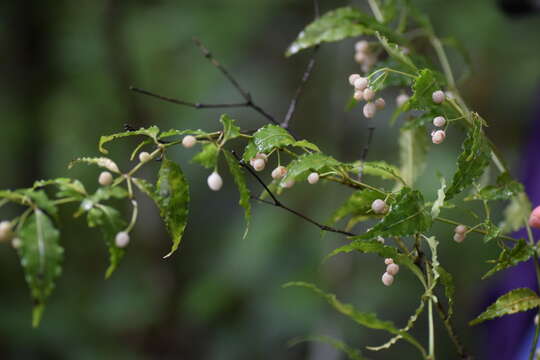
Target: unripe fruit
353, 78
279, 172
534, 219
189, 141
379, 206
258, 156
122, 239
380, 239
369, 94
313, 178
5, 231
105, 178
388, 261
459, 237
16, 243
369, 110
392, 269
358, 95
259, 164
438, 97
361, 46
380, 103
361, 83
387, 279
215, 182
402, 99
437, 137
144, 157
460, 229
439, 121
288, 184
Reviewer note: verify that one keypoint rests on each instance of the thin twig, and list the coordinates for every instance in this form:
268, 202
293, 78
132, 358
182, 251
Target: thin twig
452, 333
365, 151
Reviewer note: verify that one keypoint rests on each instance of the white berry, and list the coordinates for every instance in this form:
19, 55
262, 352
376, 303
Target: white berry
369, 110
379, 206
288, 184
16, 243
353, 78
258, 156
439, 121
313, 178
358, 95
536, 320
380, 239
438, 97
388, 261
437, 137
105, 178
459, 237
380, 103
360, 57
369, 94
215, 182
189, 141
402, 99
392, 269
259, 164
279, 172
460, 229
5, 231
361, 83
122, 239
361, 46
144, 157
387, 279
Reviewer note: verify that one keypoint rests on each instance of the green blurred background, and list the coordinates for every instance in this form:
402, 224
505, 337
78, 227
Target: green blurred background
66, 67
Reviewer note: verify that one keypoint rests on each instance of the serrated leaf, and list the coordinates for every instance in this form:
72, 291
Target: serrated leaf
352, 354
208, 156
240, 181
66, 187
173, 200
358, 204
146, 187
151, 132
230, 130
439, 202
383, 170
515, 301
413, 147
472, 161
107, 193
447, 281
302, 166
396, 52
30, 197
433, 245
505, 189
516, 213
267, 138
511, 257
427, 82
492, 231
41, 255
102, 162
306, 145
175, 132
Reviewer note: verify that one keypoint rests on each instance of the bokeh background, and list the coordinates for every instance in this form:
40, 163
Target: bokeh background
66, 67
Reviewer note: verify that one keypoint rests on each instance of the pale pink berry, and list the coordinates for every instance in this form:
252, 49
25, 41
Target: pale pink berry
438, 97
313, 178
358, 95
279, 172
379, 206
16, 243
437, 137
361, 83
388, 261
369, 110
439, 121
259, 164
392, 269
387, 279
144, 157
5, 231
189, 141
353, 78
369, 94
215, 182
360, 57
534, 219
288, 184
402, 99
361, 46
380, 239
459, 237
380, 103
258, 156
122, 239
105, 178
460, 229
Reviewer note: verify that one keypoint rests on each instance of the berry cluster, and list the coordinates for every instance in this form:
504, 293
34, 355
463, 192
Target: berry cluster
459, 233
362, 91
391, 271
364, 55
438, 136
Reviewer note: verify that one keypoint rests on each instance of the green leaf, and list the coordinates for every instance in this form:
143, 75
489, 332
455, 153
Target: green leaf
358, 204
175, 132
515, 301
441, 195
66, 187
208, 156
306, 145
41, 256
302, 166
492, 231
151, 132
428, 81
449, 288
472, 161
511, 257
516, 213
413, 147
240, 181
173, 200
30, 197
146, 187
267, 138
383, 170
396, 52
505, 189
102, 162
352, 354
107, 193
230, 130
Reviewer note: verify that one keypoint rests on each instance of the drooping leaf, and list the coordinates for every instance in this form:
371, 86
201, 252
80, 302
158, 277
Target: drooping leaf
433, 245
208, 156
516, 213
173, 200
66, 187
439, 202
383, 170
515, 301
30, 197
413, 148
230, 130
447, 281
306, 145
151, 132
511, 257
358, 204
240, 180
267, 138
41, 256
505, 189
102, 162
352, 354
301, 167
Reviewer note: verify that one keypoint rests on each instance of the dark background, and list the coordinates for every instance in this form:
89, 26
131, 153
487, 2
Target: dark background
65, 68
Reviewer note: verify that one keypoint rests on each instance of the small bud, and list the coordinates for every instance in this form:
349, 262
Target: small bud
313, 178
259, 164
122, 239
288, 184
534, 219
215, 182
438, 97
387, 279
379, 206
144, 157
369, 110
105, 178
402, 99
460, 229
437, 137
189, 141
353, 78
380, 103
361, 46
439, 121
388, 261
16, 243
392, 269
279, 172
358, 95
361, 83
380, 239
369, 94
5, 231
459, 237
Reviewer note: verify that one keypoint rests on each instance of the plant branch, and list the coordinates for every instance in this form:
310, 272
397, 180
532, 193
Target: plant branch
451, 332
371, 130
187, 103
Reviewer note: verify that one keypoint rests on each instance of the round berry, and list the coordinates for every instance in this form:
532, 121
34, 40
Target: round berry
438, 97
379, 206
361, 46
387, 279
437, 137
358, 95
369, 110
380, 103
402, 99
369, 94
313, 178
288, 184
105, 178
215, 182
439, 121
16, 243
353, 78
189, 141
380, 239
459, 237
5, 231
460, 229
361, 83
392, 269
279, 172
122, 239
388, 261
258, 156
534, 219
360, 57
536, 320
144, 157
259, 164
